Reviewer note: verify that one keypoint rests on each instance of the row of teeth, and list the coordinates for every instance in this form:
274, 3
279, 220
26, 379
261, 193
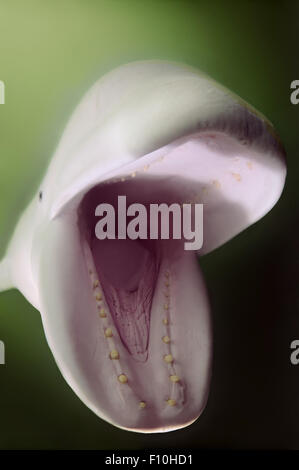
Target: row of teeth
176, 395
176, 390
134, 173
214, 183
106, 323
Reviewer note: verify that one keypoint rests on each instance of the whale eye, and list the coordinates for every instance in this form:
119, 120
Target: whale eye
40, 196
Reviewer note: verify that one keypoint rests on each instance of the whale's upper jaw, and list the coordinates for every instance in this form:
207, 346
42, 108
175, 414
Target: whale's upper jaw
146, 106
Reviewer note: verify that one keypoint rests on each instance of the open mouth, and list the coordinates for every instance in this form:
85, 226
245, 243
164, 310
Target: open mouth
128, 320
137, 289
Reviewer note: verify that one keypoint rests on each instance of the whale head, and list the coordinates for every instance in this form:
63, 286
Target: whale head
128, 321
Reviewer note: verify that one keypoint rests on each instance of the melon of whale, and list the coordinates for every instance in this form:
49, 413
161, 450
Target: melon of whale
128, 321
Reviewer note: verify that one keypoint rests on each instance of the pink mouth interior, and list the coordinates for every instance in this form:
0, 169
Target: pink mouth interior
127, 269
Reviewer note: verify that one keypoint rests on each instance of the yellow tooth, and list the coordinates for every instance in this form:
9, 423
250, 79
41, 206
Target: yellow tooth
237, 176
166, 283
168, 358
166, 339
165, 321
99, 297
171, 402
114, 354
102, 313
166, 306
142, 404
95, 284
108, 333
123, 379
216, 184
174, 378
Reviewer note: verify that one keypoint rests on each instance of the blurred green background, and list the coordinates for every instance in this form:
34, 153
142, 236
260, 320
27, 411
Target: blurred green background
50, 54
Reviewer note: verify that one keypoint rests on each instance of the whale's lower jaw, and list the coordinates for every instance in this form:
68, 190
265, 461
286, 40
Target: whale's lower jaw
147, 358
128, 323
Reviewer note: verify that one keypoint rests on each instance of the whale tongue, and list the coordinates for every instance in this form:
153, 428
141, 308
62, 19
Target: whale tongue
127, 271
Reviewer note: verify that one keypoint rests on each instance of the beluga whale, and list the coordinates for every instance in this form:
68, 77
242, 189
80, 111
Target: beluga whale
128, 320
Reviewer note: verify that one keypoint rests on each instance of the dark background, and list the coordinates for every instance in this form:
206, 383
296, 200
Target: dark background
50, 53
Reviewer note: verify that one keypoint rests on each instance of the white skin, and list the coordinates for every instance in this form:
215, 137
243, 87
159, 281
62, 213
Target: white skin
146, 125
